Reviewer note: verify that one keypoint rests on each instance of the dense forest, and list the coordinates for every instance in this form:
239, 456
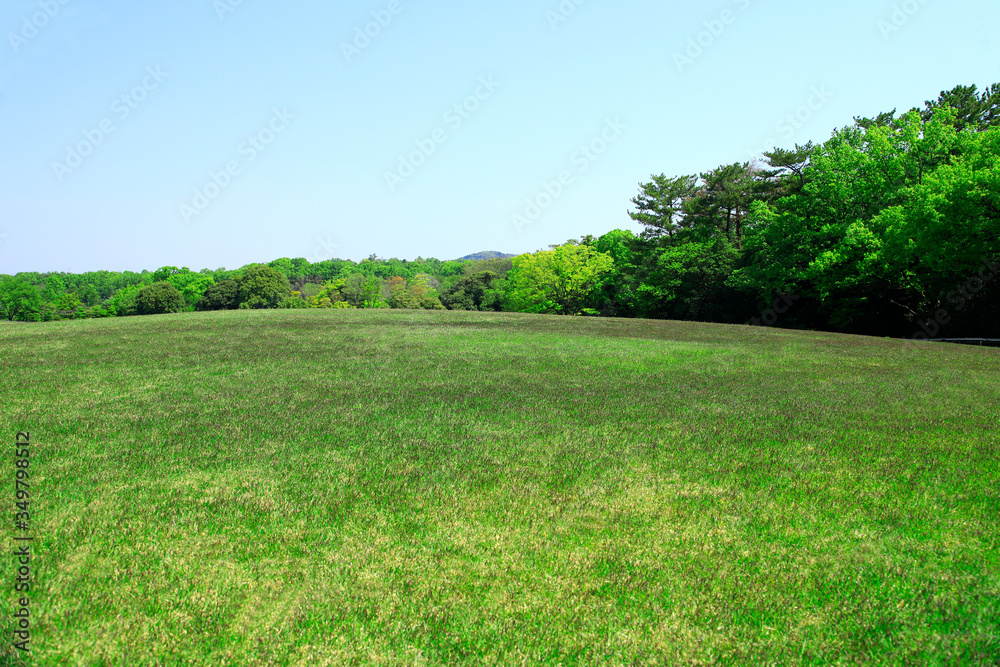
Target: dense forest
890, 228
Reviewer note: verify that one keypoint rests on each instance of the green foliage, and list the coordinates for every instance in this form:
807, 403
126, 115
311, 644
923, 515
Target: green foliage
616, 293
399, 295
89, 296
555, 281
192, 286
97, 311
890, 215
68, 302
54, 286
310, 290
19, 299
420, 285
617, 244
431, 302
788, 168
973, 110
498, 265
262, 286
294, 301
660, 203
885, 223
328, 295
469, 292
158, 298
123, 301
165, 272
355, 291
942, 235
220, 296
688, 282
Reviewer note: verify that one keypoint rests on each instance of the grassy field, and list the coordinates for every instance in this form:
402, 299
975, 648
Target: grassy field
403, 487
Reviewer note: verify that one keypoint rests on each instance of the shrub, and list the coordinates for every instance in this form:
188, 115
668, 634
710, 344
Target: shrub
221, 296
161, 297
263, 287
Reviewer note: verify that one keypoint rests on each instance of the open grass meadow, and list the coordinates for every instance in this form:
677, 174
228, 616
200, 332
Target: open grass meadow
448, 488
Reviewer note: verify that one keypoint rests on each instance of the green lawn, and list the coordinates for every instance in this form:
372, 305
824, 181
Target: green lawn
414, 487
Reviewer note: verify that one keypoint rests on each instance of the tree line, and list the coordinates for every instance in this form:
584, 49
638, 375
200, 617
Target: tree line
891, 228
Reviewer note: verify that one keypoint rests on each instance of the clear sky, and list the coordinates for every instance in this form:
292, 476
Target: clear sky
216, 133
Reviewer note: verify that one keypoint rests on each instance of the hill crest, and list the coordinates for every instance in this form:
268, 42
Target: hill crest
487, 254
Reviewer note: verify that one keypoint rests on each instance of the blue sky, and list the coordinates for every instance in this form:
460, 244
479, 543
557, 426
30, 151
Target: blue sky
216, 133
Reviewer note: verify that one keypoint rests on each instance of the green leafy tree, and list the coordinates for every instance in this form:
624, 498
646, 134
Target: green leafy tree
68, 304
262, 286
328, 295
423, 292
164, 272
355, 290
376, 291
122, 302
294, 301
284, 266
191, 285
399, 295
719, 207
431, 303
847, 242
943, 234
224, 295
88, 295
555, 281
195, 289
688, 282
617, 293
498, 265
788, 169
158, 298
361, 289
468, 292
660, 204
973, 110
50, 293
19, 299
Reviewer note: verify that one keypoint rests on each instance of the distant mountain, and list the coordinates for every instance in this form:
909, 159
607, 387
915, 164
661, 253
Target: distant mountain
486, 254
